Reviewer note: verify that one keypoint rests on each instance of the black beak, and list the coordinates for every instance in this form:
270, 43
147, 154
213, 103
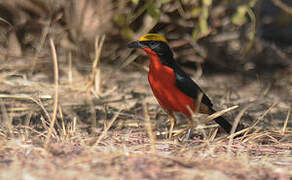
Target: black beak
135, 44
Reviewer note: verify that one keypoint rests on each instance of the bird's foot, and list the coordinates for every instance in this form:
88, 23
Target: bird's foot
181, 131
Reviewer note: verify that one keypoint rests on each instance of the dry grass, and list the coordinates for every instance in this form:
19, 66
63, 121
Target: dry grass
68, 112
119, 146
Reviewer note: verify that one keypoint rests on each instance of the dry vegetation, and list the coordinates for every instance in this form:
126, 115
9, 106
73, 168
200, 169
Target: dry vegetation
75, 102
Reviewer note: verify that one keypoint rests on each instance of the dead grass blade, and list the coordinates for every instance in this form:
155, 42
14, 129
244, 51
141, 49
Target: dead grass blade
39, 134
104, 133
37, 101
149, 128
254, 136
213, 135
92, 114
95, 83
197, 124
26, 124
14, 46
219, 113
56, 97
286, 122
71, 127
261, 117
128, 60
24, 96
238, 133
43, 37
198, 101
4, 20
63, 122
7, 121
70, 73
234, 126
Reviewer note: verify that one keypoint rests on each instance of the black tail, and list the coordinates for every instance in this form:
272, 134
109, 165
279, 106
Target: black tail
225, 124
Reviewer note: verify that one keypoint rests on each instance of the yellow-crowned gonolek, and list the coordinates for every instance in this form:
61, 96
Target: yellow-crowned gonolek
174, 90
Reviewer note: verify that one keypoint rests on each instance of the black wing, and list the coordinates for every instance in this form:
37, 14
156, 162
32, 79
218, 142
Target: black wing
183, 81
188, 86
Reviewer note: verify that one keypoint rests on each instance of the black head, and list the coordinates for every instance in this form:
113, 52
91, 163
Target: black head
153, 42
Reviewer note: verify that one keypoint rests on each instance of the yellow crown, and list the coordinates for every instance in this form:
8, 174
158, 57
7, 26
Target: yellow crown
153, 37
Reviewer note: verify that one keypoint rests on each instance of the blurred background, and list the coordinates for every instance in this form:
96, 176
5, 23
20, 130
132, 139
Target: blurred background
225, 36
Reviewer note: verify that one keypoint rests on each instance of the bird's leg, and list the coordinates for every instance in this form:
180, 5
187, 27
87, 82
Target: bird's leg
172, 123
190, 126
190, 123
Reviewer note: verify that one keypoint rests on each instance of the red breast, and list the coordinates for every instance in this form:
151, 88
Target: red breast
162, 81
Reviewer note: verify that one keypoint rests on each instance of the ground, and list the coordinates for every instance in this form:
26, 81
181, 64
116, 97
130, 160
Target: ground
109, 137
97, 118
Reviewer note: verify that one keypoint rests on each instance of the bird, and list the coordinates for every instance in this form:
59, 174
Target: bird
174, 90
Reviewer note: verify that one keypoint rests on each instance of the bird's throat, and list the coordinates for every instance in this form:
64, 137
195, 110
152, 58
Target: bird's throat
155, 62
